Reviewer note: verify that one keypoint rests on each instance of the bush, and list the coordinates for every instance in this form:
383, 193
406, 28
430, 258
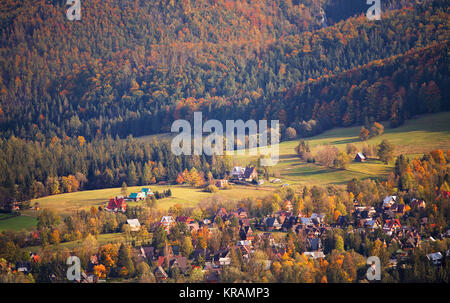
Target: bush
211, 189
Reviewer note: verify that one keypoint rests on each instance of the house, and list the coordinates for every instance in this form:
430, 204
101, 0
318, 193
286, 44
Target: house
436, 258
342, 221
418, 204
167, 222
398, 208
184, 219
134, 224
222, 183
372, 224
317, 217
116, 204
238, 173
314, 244
180, 262
360, 157
147, 252
272, 223
389, 201
146, 191
314, 254
250, 174
246, 233
306, 221
391, 225
137, 196
221, 212
160, 274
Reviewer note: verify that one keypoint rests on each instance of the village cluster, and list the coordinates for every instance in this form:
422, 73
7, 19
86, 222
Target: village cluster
255, 233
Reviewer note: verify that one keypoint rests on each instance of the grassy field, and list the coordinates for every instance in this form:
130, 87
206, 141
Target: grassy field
101, 239
415, 137
18, 223
186, 196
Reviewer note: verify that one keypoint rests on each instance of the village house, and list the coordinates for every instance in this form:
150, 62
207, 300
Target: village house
246, 233
418, 204
314, 254
147, 192
116, 204
389, 201
390, 226
136, 196
360, 157
250, 174
134, 224
167, 222
271, 223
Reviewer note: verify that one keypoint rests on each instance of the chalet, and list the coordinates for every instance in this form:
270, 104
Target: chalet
272, 223
221, 212
193, 226
389, 201
364, 212
167, 222
267, 237
184, 219
418, 204
314, 244
223, 257
147, 253
306, 221
391, 225
238, 173
318, 217
342, 221
134, 224
179, 262
289, 223
222, 183
137, 196
242, 213
250, 174
360, 157
398, 208
246, 233
372, 224
116, 204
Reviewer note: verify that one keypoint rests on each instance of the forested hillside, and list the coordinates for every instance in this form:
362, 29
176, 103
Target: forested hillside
132, 67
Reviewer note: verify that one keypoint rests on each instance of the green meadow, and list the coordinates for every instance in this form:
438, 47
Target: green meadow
415, 137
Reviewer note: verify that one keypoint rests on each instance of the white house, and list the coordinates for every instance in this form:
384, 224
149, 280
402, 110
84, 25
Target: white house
134, 224
389, 201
